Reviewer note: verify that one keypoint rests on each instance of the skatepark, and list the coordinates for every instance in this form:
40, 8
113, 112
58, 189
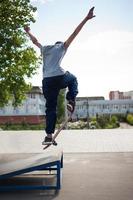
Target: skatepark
86, 164
97, 164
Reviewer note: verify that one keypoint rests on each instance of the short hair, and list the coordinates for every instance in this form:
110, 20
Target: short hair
58, 42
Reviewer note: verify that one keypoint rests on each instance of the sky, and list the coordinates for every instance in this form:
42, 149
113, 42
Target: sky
101, 55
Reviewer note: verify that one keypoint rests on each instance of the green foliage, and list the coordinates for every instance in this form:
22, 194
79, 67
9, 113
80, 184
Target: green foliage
103, 121
121, 117
130, 119
77, 125
99, 122
107, 122
17, 60
61, 106
113, 119
93, 125
22, 126
109, 126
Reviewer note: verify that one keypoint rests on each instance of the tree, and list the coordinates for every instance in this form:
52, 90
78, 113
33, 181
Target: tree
61, 106
17, 60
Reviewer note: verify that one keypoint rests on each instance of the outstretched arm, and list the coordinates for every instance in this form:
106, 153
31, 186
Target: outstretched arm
32, 37
79, 27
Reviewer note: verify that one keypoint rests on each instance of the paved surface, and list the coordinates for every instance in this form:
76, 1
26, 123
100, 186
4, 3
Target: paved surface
125, 126
91, 176
116, 140
76, 141
98, 165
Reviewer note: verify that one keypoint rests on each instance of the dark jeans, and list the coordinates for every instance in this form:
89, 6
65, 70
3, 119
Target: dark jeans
51, 89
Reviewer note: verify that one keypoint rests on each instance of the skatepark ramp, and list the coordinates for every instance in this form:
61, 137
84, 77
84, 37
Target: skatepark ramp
24, 165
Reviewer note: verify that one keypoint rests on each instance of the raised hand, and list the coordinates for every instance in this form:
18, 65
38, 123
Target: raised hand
90, 15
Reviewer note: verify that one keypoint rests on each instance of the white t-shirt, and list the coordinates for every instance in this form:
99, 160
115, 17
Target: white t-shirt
52, 57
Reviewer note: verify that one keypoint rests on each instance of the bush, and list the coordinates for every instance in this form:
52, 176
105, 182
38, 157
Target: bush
77, 125
130, 119
102, 121
93, 124
23, 126
107, 122
113, 119
109, 126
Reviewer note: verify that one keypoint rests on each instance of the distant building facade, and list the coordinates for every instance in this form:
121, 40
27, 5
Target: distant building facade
120, 95
91, 108
82, 106
31, 111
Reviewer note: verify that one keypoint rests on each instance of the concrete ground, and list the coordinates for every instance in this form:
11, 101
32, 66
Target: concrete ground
89, 176
102, 172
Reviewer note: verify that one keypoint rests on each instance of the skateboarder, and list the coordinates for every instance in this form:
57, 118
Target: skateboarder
55, 78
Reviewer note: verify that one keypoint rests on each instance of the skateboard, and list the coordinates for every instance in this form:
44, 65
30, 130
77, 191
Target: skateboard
58, 131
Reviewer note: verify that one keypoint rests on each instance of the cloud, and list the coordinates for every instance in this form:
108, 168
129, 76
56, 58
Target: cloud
103, 48
107, 42
102, 62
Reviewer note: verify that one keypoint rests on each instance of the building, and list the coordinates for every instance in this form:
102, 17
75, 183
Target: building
128, 94
120, 95
82, 106
31, 111
102, 107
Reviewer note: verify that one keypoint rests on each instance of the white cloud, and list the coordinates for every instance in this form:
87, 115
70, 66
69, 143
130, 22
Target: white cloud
103, 62
106, 42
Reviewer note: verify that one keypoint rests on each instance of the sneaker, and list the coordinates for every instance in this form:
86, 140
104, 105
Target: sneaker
71, 106
48, 140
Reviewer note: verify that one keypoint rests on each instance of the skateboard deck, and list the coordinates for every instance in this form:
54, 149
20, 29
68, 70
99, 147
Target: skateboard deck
58, 131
